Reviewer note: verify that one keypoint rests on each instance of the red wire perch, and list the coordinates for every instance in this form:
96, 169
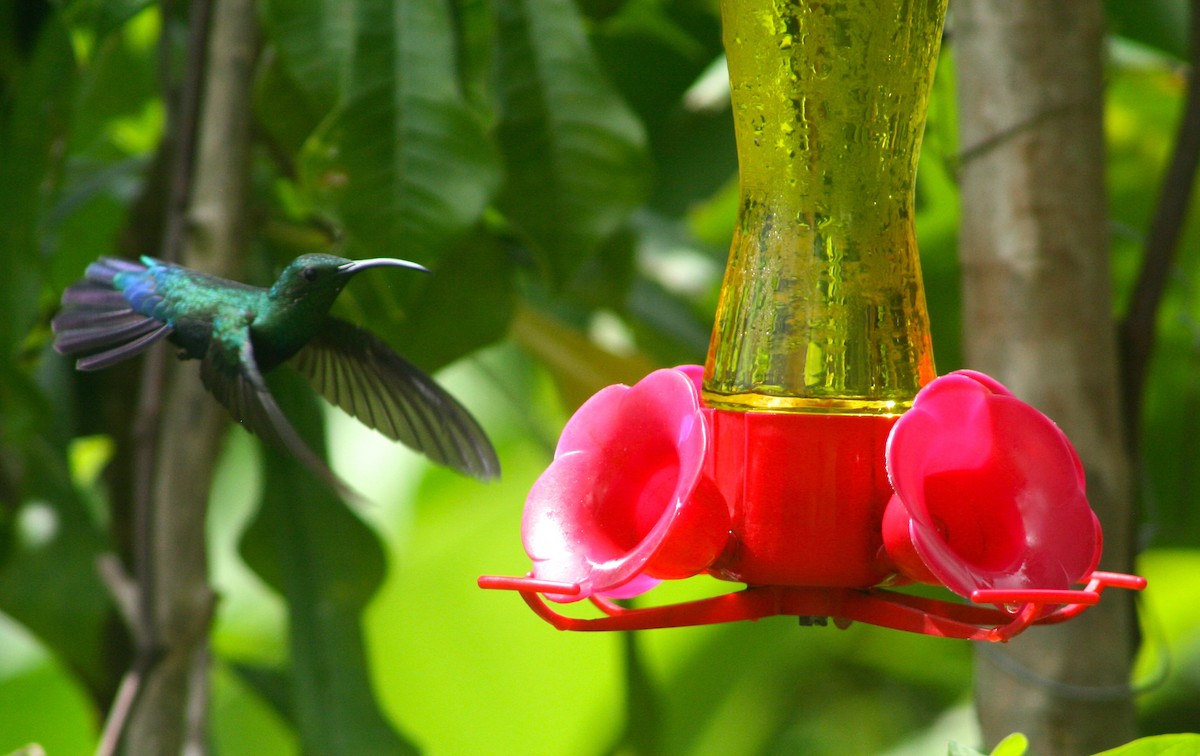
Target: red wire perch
875, 606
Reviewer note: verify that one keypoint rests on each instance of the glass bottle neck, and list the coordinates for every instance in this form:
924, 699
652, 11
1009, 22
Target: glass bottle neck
823, 308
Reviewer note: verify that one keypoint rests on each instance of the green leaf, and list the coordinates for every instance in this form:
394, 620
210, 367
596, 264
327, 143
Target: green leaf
118, 111
643, 710
102, 17
574, 153
1015, 744
285, 111
580, 367
404, 163
603, 280
242, 721
681, 44
89, 212
475, 27
466, 304
34, 112
315, 39
48, 578
1161, 24
274, 686
327, 565
1183, 744
44, 713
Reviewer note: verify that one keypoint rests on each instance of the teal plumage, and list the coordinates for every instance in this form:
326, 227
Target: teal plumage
239, 332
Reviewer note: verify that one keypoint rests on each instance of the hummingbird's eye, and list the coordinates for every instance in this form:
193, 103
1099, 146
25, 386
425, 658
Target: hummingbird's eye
310, 274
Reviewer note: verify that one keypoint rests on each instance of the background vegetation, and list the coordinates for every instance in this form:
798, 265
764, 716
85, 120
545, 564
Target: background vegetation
568, 171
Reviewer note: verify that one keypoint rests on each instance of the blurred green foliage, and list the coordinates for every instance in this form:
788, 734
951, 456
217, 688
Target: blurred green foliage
568, 171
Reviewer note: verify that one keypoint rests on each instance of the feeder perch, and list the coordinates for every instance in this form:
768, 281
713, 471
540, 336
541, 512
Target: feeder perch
817, 458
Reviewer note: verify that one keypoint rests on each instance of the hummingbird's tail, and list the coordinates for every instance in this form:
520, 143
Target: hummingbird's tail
98, 321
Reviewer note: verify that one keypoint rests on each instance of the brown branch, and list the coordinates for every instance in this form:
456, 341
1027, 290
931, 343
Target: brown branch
182, 134
164, 693
1037, 314
172, 704
1162, 243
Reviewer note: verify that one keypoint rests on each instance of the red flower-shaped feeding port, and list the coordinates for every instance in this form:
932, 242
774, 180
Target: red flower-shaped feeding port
987, 499
981, 480
623, 505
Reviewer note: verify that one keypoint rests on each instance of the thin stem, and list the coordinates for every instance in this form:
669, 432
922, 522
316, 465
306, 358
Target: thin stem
185, 129
1162, 242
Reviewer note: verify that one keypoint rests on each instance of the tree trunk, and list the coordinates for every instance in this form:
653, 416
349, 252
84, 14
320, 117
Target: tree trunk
1038, 316
168, 716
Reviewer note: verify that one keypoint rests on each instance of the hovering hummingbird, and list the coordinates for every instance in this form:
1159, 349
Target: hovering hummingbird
240, 332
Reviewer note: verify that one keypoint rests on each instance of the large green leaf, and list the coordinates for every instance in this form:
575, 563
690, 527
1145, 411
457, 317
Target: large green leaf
580, 367
400, 159
285, 110
41, 705
327, 565
404, 163
1160, 745
466, 304
684, 107
574, 153
116, 123
48, 578
118, 110
315, 39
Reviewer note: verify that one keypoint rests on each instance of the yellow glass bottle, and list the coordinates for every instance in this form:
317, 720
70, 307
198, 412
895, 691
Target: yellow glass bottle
822, 308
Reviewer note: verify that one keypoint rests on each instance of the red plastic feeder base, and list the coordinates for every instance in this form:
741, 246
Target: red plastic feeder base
806, 494
980, 620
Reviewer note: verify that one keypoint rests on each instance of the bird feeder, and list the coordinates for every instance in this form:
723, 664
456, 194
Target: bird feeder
817, 458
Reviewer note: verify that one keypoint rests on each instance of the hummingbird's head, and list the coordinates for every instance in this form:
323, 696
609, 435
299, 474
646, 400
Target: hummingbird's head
317, 279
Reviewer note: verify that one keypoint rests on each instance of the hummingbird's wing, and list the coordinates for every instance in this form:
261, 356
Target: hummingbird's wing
236, 382
358, 372
99, 321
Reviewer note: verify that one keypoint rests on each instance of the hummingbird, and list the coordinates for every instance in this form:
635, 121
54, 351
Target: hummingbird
239, 333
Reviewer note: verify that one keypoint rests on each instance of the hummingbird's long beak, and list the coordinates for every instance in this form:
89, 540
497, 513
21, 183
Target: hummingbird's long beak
354, 266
